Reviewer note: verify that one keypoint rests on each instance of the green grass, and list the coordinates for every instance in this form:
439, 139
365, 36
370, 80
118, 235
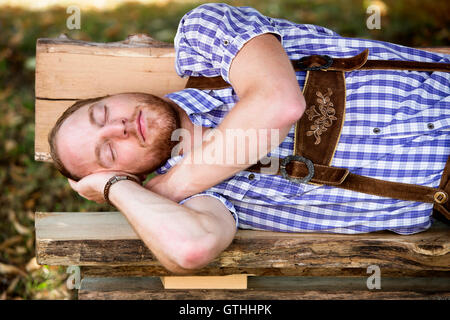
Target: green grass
27, 186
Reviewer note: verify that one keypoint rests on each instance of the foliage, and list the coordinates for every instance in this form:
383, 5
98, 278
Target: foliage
27, 186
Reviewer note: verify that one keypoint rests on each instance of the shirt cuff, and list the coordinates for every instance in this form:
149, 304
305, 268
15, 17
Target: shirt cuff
219, 197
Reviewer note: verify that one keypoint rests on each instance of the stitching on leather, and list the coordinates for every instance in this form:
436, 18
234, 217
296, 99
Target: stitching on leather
324, 115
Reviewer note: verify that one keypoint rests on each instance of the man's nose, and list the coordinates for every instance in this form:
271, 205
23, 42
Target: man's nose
118, 128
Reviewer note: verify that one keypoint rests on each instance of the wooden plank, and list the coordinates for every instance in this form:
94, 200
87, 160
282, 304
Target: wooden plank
232, 281
273, 288
139, 44
314, 271
70, 69
445, 50
89, 239
47, 112
68, 226
74, 76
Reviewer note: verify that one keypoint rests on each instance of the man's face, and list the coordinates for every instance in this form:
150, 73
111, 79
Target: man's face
117, 133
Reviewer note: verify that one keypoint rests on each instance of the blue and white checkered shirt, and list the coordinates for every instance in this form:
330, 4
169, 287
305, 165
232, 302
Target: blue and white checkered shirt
410, 109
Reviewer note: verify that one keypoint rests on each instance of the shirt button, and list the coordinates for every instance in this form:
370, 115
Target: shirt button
251, 176
376, 130
430, 126
226, 42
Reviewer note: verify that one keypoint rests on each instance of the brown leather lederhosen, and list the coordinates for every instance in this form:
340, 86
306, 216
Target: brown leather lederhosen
317, 132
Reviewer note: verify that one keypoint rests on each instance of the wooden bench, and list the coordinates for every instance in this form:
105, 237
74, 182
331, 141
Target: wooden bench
115, 263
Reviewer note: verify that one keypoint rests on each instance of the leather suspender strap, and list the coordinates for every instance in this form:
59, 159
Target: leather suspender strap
358, 62
317, 132
342, 178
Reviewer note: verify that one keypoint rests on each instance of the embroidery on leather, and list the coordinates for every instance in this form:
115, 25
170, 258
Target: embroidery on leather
324, 115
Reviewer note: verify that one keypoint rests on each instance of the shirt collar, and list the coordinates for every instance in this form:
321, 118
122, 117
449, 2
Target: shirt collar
195, 103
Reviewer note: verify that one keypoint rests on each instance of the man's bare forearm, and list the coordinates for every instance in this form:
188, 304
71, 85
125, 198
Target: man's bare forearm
180, 238
191, 176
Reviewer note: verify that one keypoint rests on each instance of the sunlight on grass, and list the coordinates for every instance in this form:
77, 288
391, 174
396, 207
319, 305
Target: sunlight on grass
82, 4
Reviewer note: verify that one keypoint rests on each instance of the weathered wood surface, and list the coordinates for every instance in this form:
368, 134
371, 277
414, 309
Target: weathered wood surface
101, 238
232, 281
273, 288
68, 70
314, 271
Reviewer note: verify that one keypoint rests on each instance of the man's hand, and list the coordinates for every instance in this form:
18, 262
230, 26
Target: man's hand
91, 187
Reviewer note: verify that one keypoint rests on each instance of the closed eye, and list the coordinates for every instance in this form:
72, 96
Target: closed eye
105, 111
112, 152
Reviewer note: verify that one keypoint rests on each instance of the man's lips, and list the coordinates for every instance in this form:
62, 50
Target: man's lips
141, 125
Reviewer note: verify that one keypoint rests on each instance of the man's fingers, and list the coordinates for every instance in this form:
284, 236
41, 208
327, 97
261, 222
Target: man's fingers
149, 184
136, 177
73, 184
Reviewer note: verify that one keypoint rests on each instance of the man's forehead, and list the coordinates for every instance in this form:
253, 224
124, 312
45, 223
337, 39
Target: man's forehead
121, 97
117, 99
73, 147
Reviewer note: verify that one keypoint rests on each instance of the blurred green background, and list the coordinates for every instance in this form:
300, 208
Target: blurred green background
27, 186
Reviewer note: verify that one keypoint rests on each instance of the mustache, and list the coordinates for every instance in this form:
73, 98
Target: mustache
132, 129
163, 117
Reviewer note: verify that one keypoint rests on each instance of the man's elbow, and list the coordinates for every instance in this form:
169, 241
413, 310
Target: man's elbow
293, 110
195, 255
286, 110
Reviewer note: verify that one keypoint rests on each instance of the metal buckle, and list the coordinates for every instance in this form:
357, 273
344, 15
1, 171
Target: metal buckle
328, 63
440, 197
309, 165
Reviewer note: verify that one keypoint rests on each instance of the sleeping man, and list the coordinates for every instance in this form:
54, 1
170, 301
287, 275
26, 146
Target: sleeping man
393, 132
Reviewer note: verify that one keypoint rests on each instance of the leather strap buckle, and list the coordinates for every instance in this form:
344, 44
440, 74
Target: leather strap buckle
440, 197
285, 161
304, 63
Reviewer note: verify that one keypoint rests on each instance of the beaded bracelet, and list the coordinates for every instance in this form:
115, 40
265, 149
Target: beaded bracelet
114, 180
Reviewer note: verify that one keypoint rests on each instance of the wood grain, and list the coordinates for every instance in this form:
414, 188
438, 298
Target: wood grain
74, 76
313, 271
94, 239
232, 281
272, 288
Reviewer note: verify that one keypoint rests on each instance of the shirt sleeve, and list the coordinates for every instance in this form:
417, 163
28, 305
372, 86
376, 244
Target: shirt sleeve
219, 197
210, 36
